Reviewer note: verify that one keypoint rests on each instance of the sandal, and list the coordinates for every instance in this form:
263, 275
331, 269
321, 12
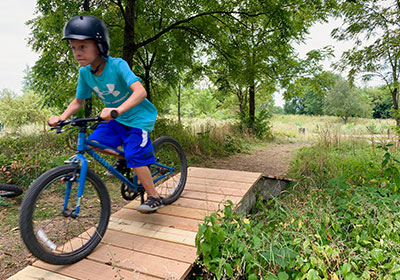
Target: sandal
150, 205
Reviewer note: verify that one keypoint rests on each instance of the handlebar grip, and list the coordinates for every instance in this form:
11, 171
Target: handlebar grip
114, 114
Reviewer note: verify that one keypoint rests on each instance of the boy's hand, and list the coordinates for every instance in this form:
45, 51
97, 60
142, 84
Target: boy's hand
106, 114
53, 121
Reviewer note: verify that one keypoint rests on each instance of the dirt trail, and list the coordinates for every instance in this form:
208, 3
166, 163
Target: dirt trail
270, 159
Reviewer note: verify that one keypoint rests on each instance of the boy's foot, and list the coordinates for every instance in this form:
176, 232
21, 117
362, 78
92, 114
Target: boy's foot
150, 205
120, 165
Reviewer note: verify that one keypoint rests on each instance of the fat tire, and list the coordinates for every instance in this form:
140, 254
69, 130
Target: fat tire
10, 190
28, 206
166, 140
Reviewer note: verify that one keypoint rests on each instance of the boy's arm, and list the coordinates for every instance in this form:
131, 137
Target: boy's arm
72, 108
137, 96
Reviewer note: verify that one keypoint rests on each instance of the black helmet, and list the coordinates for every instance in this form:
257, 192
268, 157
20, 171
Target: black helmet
88, 27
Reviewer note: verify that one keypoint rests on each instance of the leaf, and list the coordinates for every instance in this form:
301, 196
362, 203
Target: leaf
334, 276
253, 277
346, 268
312, 274
283, 276
228, 270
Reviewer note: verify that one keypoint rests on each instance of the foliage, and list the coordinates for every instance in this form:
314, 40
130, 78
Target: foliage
344, 101
247, 45
196, 103
373, 26
306, 95
338, 222
16, 111
309, 104
381, 101
24, 157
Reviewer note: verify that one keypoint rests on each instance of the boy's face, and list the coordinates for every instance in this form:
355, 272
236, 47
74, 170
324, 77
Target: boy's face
85, 51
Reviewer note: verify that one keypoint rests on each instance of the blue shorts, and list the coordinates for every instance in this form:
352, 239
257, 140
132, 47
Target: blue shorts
136, 142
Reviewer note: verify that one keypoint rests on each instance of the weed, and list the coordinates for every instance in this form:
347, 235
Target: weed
339, 221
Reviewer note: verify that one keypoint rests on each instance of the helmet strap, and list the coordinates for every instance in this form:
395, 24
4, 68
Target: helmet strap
103, 60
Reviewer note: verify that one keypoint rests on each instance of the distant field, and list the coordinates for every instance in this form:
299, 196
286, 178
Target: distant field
291, 126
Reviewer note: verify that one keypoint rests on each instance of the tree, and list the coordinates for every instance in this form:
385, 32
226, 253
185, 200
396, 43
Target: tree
143, 33
257, 52
381, 101
345, 101
376, 21
307, 93
16, 111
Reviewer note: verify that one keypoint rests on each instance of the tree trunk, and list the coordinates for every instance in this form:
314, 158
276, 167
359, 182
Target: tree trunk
179, 102
396, 105
252, 110
147, 82
89, 101
129, 48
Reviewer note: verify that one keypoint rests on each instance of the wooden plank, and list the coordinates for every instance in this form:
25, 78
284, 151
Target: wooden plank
209, 196
136, 261
88, 269
35, 273
153, 246
198, 187
154, 231
200, 204
218, 183
174, 210
148, 245
223, 174
158, 219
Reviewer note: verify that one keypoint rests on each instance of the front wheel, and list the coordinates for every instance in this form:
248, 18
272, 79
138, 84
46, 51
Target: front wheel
170, 170
50, 230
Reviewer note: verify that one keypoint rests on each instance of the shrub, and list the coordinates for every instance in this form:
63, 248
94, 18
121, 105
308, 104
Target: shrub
339, 221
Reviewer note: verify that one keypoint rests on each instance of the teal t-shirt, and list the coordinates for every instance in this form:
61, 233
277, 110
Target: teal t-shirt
112, 87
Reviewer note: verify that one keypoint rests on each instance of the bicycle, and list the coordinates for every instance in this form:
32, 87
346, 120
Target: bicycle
59, 233
7, 190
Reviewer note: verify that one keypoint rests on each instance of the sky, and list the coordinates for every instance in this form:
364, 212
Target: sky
15, 54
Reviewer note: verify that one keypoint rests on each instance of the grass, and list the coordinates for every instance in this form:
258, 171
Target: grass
339, 221
308, 232
287, 126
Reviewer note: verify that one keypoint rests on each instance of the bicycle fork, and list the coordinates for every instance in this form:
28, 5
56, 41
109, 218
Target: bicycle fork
79, 158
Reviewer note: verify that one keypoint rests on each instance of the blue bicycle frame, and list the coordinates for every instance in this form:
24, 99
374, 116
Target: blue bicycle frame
84, 145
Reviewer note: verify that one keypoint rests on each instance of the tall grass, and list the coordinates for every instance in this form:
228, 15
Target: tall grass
288, 126
31, 150
340, 220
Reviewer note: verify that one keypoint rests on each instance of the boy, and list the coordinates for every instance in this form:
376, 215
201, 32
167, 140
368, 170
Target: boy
112, 80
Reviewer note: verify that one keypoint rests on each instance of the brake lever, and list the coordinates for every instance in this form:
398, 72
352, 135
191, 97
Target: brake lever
59, 129
97, 122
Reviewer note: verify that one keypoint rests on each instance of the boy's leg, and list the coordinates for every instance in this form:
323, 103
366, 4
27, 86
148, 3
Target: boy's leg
139, 154
145, 178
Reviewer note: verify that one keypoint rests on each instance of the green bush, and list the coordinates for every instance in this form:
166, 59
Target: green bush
339, 221
24, 158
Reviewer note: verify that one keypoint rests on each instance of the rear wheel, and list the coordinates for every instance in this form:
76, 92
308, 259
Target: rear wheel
9, 190
170, 169
55, 235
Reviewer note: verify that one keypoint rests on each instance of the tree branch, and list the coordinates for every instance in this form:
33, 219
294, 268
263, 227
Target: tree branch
189, 19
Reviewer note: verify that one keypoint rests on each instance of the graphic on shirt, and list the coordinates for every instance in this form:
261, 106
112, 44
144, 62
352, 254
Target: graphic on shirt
110, 90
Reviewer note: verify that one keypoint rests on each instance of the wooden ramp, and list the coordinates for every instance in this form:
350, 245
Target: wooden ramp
156, 246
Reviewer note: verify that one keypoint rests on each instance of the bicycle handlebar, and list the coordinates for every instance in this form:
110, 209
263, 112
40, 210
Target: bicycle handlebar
81, 122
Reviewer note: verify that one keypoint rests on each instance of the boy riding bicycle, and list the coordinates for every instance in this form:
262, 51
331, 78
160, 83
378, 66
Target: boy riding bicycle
116, 85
